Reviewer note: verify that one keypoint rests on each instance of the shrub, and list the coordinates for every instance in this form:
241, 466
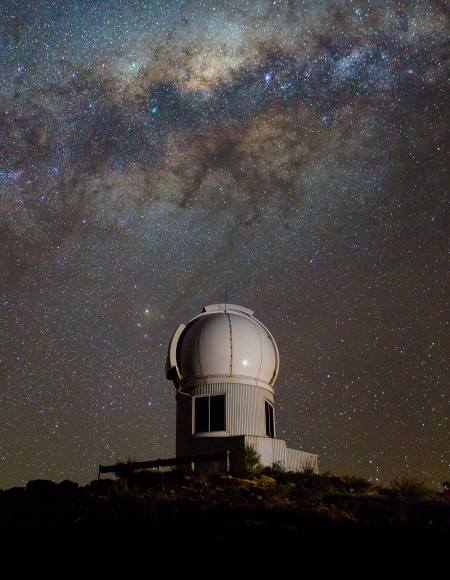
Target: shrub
411, 489
245, 461
276, 470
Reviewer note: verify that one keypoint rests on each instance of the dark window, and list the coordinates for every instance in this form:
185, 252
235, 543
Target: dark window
270, 431
217, 413
209, 414
201, 414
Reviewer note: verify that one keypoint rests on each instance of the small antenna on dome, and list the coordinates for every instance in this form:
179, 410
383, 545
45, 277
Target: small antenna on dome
226, 295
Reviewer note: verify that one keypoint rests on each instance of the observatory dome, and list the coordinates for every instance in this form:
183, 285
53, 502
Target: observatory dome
225, 342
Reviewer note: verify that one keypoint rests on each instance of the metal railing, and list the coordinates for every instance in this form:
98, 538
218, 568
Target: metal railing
125, 468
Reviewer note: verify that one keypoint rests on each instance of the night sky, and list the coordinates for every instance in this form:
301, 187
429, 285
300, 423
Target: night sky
155, 156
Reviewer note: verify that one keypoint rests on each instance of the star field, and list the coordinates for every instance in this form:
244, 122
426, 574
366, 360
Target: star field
154, 153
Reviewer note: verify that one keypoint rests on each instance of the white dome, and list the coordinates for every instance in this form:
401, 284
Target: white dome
224, 342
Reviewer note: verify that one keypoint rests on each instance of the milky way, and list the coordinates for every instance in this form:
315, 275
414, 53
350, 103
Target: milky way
154, 156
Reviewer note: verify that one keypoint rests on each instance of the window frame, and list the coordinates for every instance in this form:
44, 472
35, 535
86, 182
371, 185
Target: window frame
216, 420
269, 417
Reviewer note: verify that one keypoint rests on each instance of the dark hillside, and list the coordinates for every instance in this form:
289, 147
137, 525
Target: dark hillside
283, 510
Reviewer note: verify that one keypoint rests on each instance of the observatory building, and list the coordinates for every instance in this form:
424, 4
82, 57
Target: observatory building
224, 363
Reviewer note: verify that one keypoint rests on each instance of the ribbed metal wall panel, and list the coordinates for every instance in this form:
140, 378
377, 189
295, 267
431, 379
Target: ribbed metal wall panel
299, 461
274, 451
271, 450
245, 410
